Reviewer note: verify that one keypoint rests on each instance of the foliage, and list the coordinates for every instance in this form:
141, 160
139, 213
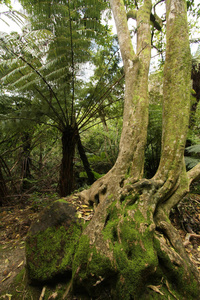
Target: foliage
192, 156
44, 69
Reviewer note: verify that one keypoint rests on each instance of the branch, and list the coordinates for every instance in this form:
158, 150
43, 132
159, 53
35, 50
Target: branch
156, 21
158, 3
194, 174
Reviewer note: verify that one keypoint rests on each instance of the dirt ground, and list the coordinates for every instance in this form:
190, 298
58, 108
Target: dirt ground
14, 225
15, 222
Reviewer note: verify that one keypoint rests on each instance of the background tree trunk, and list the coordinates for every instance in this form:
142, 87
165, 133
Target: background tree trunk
3, 187
85, 161
26, 161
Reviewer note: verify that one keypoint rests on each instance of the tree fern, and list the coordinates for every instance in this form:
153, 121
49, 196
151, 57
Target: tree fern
44, 67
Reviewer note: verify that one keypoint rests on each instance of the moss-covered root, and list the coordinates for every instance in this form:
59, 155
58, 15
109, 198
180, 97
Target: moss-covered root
124, 274
93, 273
176, 273
141, 265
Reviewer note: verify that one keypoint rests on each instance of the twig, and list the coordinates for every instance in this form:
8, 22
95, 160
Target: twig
42, 294
189, 236
67, 290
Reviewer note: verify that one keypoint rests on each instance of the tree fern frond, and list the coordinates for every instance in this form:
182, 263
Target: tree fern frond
191, 162
13, 15
193, 149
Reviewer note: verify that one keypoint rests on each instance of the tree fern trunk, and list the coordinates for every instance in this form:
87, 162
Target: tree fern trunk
3, 188
26, 160
69, 140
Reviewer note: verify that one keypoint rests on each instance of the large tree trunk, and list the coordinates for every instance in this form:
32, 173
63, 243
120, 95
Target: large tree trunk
131, 250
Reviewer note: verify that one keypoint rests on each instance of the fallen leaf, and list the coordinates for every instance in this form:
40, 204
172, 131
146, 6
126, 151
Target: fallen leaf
155, 289
42, 293
21, 263
6, 277
7, 295
167, 285
53, 296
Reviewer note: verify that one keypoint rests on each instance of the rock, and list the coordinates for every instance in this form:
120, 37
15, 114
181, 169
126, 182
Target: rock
51, 242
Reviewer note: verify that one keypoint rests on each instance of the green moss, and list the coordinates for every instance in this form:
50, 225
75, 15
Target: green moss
131, 199
61, 200
133, 250
91, 267
135, 257
20, 276
50, 252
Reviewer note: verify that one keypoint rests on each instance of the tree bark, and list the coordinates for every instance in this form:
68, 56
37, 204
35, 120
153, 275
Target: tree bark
136, 67
69, 140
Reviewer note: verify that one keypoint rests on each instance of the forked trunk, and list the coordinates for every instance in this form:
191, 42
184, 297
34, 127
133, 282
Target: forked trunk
132, 250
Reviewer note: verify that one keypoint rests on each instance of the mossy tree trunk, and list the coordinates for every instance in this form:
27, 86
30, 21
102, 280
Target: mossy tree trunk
130, 248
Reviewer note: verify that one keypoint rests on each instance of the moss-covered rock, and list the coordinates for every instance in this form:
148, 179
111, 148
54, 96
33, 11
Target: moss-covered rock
51, 242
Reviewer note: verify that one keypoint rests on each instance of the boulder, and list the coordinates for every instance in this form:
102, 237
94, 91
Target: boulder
51, 242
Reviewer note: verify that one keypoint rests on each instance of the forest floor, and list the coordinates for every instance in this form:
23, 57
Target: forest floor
15, 221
